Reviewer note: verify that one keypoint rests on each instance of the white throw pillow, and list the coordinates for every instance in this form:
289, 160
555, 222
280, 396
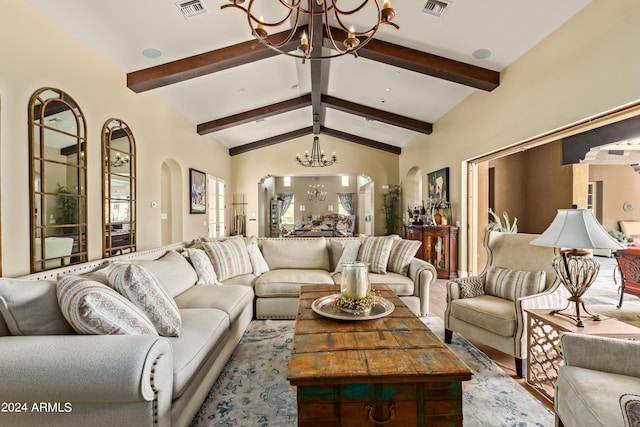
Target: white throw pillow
96, 309
349, 254
146, 292
258, 263
202, 264
30, 307
229, 257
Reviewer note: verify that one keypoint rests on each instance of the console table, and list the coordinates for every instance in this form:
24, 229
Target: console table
439, 247
543, 343
389, 371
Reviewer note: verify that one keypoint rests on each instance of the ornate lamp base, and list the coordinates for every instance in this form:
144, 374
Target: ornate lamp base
577, 271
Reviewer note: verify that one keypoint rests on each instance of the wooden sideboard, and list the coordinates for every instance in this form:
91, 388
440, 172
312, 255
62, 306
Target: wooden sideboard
439, 247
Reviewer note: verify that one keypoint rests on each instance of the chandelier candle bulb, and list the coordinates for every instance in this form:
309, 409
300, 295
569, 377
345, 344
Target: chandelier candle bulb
304, 41
260, 26
386, 5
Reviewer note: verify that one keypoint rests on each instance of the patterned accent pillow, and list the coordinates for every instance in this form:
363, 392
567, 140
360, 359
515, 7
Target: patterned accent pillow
146, 292
402, 252
630, 405
96, 309
30, 307
376, 252
258, 264
229, 257
470, 287
513, 284
202, 264
349, 254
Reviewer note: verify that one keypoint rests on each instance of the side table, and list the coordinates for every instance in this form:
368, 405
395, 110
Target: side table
543, 343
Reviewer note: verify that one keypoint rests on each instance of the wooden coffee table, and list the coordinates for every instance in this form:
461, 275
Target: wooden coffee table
359, 372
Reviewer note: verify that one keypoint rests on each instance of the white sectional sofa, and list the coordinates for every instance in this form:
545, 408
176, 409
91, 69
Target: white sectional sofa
149, 380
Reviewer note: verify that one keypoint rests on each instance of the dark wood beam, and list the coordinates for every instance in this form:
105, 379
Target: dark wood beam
270, 141
316, 67
253, 115
426, 63
362, 141
375, 114
205, 63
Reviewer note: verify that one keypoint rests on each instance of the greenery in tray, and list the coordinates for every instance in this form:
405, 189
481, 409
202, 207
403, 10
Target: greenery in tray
364, 305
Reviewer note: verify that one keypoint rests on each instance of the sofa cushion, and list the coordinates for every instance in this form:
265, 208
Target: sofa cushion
348, 253
592, 398
258, 264
173, 271
399, 284
287, 282
201, 263
402, 252
376, 251
203, 330
229, 257
248, 279
30, 307
309, 253
487, 312
93, 308
513, 284
232, 299
146, 292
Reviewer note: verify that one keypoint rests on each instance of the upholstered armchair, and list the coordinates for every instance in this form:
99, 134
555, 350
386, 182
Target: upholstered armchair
490, 308
599, 384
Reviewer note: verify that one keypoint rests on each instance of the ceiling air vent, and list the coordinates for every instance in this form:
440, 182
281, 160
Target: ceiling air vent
436, 7
191, 8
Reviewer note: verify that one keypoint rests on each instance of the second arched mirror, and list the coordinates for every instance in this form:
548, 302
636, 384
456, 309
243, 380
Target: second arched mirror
118, 188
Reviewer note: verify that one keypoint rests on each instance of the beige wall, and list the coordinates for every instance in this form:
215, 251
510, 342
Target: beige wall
584, 68
37, 53
248, 169
620, 184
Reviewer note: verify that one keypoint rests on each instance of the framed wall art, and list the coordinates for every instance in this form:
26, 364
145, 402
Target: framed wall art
197, 191
438, 184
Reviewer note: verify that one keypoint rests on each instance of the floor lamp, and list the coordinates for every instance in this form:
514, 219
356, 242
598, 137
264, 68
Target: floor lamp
574, 232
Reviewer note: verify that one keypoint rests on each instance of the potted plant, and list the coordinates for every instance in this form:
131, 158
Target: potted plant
391, 208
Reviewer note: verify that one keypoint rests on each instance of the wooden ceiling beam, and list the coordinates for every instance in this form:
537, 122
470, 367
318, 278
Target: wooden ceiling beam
270, 141
378, 115
362, 141
205, 63
253, 115
316, 67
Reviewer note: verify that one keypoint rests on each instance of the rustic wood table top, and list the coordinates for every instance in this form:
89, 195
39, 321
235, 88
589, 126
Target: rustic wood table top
398, 348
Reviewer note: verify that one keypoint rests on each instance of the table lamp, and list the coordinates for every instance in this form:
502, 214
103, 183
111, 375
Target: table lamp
574, 231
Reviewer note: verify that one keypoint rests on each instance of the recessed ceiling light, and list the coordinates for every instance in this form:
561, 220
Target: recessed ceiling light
481, 53
151, 53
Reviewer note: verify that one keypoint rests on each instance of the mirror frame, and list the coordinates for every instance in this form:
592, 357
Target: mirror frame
126, 237
39, 228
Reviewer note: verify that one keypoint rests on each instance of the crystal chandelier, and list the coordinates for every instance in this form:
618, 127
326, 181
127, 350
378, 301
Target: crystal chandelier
317, 157
316, 192
318, 12
119, 161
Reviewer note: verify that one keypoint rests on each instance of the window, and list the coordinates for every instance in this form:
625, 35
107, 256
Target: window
216, 206
345, 181
287, 181
118, 188
287, 217
58, 180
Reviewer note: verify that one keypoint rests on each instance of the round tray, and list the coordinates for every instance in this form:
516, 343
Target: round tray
324, 306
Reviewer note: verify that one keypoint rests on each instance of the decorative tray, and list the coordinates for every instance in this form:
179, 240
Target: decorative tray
324, 306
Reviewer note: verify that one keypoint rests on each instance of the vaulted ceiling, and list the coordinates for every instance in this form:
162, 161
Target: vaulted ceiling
247, 96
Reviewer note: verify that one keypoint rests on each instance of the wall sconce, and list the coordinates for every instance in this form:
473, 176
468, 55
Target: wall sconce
302, 208
330, 208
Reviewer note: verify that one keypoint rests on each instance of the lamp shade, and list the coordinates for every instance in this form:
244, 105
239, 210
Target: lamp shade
576, 229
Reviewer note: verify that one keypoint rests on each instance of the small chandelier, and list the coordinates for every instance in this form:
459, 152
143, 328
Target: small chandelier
317, 158
119, 161
316, 192
326, 9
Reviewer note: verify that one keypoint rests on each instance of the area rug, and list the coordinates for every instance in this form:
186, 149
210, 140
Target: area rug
252, 390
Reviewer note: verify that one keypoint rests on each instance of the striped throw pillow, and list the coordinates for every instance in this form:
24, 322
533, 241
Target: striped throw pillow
93, 308
146, 292
229, 257
513, 284
376, 252
402, 252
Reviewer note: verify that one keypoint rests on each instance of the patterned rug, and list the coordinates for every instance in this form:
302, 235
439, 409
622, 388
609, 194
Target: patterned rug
252, 390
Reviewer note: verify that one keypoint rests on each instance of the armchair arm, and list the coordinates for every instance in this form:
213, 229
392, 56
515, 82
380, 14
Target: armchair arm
86, 368
423, 275
613, 355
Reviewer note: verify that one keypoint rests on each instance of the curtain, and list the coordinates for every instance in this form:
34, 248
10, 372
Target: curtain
286, 199
346, 200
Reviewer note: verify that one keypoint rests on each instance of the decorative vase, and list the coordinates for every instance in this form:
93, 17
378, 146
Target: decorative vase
437, 217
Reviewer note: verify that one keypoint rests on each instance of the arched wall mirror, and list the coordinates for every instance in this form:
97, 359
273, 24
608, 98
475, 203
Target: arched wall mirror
58, 180
118, 188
